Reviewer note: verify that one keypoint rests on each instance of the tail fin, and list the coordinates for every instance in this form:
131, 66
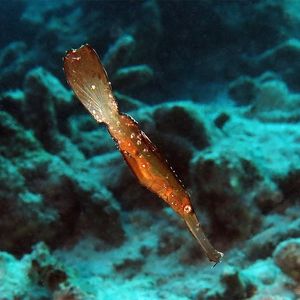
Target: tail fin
88, 79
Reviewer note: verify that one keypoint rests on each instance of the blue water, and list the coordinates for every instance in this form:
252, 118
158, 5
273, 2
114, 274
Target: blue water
215, 86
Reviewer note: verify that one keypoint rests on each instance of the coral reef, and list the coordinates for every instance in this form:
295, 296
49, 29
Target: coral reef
42, 187
116, 61
287, 255
268, 96
284, 60
215, 85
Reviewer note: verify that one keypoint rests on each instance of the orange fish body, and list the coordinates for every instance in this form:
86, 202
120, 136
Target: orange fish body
147, 164
88, 79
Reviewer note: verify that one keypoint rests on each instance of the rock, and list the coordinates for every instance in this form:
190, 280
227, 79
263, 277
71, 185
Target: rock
169, 243
119, 53
20, 205
13, 102
236, 286
268, 198
15, 141
39, 81
283, 59
46, 197
12, 182
13, 65
67, 151
263, 243
129, 267
44, 92
290, 185
70, 194
222, 181
221, 120
45, 270
13, 277
60, 206
287, 257
180, 121
35, 87
89, 137
243, 90
274, 95
52, 113
50, 275
148, 30
38, 275
127, 78
269, 98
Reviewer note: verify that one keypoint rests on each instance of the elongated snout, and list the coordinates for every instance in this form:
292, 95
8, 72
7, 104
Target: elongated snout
196, 229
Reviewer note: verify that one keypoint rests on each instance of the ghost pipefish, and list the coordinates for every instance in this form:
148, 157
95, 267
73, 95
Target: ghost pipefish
88, 79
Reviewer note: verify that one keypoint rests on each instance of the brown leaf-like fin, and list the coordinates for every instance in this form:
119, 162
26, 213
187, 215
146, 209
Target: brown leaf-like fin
88, 79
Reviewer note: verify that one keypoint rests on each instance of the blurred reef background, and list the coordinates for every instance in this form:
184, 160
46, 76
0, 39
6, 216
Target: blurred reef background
216, 86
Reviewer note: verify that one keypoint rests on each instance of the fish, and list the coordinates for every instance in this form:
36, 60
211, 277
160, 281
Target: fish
88, 79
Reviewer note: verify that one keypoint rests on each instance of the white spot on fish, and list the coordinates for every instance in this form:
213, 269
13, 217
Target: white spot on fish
76, 58
93, 87
132, 135
97, 118
187, 209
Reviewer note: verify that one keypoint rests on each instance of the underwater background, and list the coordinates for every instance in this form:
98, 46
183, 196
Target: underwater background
216, 86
